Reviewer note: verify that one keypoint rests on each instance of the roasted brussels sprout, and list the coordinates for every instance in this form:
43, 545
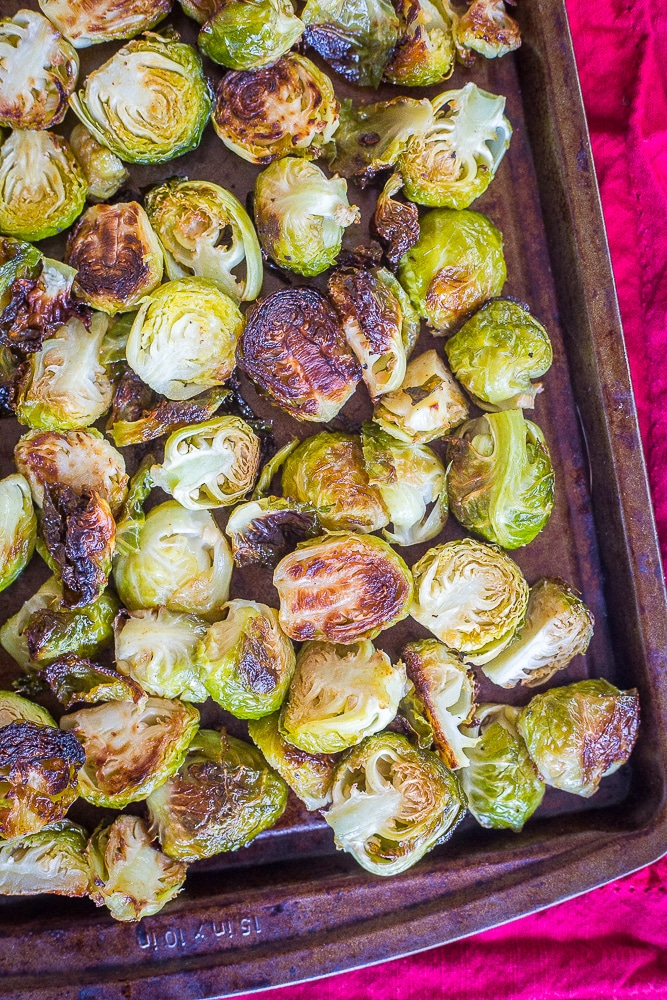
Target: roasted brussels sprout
19, 261
292, 94
425, 52
248, 34
355, 37
487, 28
500, 478
18, 528
74, 678
471, 596
309, 775
103, 170
341, 588
245, 661
294, 351
500, 782
14, 708
579, 733
39, 301
38, 71
396, 223
42, 188
222, 796
199, 10
497, 352
149, 102
428, 404
301, 215
52, 860
262, 531
156, 648
558, 627
165, 417
130, 749
184, 337
88, 22
130, 876
13, 633
454, 267
392, 802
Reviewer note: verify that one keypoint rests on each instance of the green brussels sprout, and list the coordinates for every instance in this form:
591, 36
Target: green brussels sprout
327, 470
500, 781
149, 102
42, 188
199, 10
130, 876
309, 775
428, 404
156, 648
89, 23
246, 661
392, 803
103, 170
209, 465
341, 588
184, 337
74, 679
38, 71
18, 528
497, 352
249, 34
130, 749
558, 627
453, 162
39, 304
52, 860
301, 215
425, 52
14, 708
264, 530
579, 733
500, 478
293, 94
395, 223
471, 596
18, 259
454, 267
339, 695
355, 37
409, 478
222, 796
487, 28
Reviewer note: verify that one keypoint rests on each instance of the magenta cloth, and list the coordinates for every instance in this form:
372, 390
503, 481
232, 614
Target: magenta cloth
610, 944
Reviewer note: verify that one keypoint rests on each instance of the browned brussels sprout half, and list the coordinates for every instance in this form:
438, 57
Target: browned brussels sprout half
425, 53
309, 775
156, 648
52, 860
88, 22
37, 294
103, 170
487, 28
355, 37
73, 678
263, 530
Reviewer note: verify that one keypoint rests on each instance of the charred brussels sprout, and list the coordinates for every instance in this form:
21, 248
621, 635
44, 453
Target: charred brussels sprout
130, 750
487, 28
167, 415
396, 223
156, 648
103, 170
18, 261
88, 22
392, 803
500, 478
39, 301
425, 52
454, 267
471, 596
293, 94
355, 37
341, 588
262, 531
14, 708
149, 102
309, 775
74, 679
38, 71
248, 34
579, 733
18, 528
52, 860
79, 533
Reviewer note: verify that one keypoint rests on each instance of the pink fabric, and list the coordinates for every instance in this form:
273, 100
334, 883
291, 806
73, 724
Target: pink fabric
610, 944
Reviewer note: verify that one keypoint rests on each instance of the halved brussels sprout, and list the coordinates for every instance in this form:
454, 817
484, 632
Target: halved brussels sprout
500, 478
18, 528
38, 71
184, 337
103, 170
501, 782
38, 776
130, 749
396, 223
117, 256
487, 28
327, 471
74, 678
454, 267
471, 596
222, 796
130, 876
292, 94
209, 465
165, 417
558, 627
262, 531
294, 351
248, 34
392, 803
18, 259
453, 162
339, 695
156, 648
579, 733
428, 404
149, 102
245, 661
341, 588
14, 708
425, 52
42, 188
81, 459
79, 534
301, 215
39, 302
355, 37
88, 22
309, 775
52, 860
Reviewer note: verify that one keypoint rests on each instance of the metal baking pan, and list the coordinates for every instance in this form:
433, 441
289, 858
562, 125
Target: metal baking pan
289, 907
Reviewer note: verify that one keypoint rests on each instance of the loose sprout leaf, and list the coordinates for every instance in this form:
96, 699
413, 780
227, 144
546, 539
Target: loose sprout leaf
425, 53
18, 260
15, 708
52, 860
74, 678
39, 301
309, 775
103, 170
396, 223
18, 528
411, 718
54, 630
166, 416
89, 23
13, 635
271, 468
355, 37
249, 34
156, 648
262, 531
